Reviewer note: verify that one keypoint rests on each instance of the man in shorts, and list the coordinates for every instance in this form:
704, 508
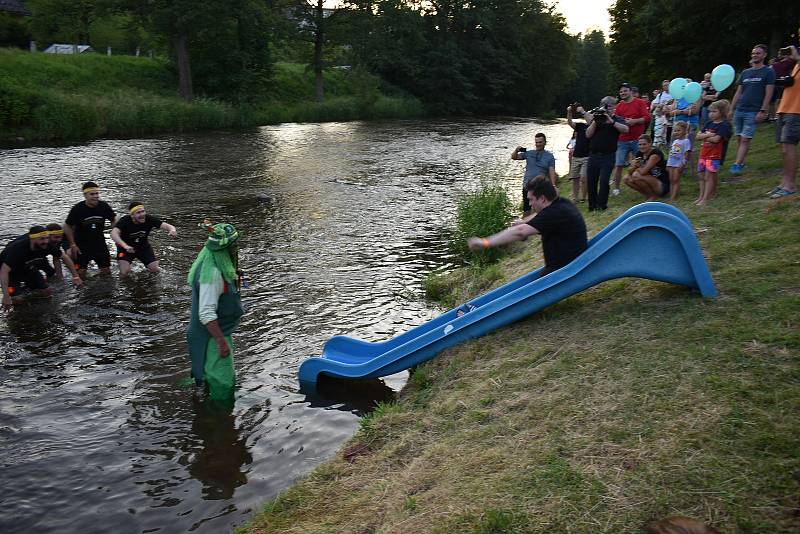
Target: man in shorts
130, 234
580, 155
750, 104
84, 230
636, 117
788, 132
21, 263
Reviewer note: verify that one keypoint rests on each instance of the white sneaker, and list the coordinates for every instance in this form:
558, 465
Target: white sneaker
615, 192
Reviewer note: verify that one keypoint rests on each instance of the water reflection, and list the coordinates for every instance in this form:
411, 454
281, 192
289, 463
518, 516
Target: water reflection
96, 427
223, 450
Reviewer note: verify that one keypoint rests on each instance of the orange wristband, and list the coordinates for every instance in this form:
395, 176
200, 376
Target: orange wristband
485, 243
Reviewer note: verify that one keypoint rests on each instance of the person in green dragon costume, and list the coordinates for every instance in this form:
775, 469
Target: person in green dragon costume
216, 309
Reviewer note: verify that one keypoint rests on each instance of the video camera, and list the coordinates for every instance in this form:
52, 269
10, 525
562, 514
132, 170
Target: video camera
599, 112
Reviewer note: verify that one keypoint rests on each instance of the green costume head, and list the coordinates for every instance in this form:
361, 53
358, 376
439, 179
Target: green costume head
220, 252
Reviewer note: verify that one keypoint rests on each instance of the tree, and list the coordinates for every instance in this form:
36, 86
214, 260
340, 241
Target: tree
223, 44
656, 39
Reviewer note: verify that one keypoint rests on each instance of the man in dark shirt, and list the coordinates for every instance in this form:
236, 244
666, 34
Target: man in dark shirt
556, 219
603, 133
20, 265
130, 234
84, 230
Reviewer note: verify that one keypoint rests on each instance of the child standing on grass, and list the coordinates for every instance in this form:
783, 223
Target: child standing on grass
678, 156
714, 136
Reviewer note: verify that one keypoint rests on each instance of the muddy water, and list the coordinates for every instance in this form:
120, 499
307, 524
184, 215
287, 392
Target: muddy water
97, 433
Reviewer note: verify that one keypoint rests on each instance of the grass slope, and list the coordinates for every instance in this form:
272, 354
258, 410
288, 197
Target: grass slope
631, 401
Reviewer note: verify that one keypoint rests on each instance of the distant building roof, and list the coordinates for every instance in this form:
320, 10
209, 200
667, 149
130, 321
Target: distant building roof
14, 6
67, 48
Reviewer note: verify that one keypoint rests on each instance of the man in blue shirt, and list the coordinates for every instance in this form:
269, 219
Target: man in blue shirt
538, 162
751, 102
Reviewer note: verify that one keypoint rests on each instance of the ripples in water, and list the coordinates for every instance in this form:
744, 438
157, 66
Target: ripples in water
98, 433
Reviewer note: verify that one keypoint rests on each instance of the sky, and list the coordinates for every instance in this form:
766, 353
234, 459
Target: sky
582, 15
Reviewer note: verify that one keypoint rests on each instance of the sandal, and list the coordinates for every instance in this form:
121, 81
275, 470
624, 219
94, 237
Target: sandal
781, 193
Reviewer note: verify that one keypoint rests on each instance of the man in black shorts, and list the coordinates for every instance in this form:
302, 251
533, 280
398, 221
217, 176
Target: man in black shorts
21, 263
84, 230
556, 219
130, 234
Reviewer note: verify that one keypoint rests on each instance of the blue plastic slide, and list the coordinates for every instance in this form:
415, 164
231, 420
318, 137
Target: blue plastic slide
652, 240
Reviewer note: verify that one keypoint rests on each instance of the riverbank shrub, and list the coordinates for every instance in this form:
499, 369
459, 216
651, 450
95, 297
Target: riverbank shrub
65, 97
482, 212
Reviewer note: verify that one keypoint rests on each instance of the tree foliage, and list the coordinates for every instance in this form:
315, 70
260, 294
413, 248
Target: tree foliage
656, 39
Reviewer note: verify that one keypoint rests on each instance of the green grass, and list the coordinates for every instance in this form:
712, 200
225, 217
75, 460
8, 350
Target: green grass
631, 401
65, 97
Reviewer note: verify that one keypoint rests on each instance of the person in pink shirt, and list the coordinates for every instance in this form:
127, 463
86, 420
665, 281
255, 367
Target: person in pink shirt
636, 116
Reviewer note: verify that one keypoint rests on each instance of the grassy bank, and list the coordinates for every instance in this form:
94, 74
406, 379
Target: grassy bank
65, 97
631, 401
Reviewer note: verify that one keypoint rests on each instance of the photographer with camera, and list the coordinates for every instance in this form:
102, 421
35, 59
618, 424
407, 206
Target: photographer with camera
751, 102
537, 162
580, 154
603, 132
648, 171
788, 128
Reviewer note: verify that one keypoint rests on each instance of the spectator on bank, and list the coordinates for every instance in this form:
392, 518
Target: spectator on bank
603, 133
710, 94
648, 171
751, 102
635, 115
678, 157
684, 111
661, 99
788, 131
580, 155
782, 66
537, 162
714, 137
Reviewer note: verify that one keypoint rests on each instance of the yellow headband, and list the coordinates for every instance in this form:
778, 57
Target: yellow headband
55, 232
136, 208
38, 234
91, 189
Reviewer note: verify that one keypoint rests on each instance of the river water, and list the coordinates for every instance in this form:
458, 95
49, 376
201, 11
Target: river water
96, 432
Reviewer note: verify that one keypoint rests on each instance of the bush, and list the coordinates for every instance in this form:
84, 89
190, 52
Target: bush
480, 213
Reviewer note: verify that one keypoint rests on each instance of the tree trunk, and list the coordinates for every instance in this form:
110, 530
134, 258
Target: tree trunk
184, 68
319, 91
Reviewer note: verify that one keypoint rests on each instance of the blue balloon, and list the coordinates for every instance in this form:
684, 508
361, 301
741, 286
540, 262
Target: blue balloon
722, 76
692, 92
677, 87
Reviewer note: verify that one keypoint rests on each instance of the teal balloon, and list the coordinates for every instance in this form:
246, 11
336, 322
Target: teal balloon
722, 76
677, 88
692, 92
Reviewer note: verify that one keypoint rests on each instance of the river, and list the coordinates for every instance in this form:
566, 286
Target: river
97, 432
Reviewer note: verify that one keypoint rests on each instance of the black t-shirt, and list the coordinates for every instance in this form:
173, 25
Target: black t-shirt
20, 258
659, 170
90, 222
604, 140
563, 233
581, 149
136, 234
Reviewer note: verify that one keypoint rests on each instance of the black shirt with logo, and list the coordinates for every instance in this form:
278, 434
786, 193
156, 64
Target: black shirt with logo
89, 223
21, 259
136, 234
